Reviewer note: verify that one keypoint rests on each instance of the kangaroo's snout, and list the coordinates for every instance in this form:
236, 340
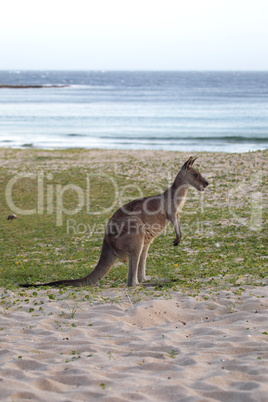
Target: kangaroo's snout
204, 183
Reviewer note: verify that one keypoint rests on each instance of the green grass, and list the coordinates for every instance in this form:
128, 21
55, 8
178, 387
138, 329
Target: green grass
224, 240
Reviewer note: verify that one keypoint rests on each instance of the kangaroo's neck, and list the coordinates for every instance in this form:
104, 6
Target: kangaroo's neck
176, 194
181, 197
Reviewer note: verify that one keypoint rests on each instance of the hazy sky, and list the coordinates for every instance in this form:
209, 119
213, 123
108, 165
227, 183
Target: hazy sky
134, 35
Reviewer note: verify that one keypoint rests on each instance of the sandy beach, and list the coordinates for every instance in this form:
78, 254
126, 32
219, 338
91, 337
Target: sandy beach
177, 349
121, 344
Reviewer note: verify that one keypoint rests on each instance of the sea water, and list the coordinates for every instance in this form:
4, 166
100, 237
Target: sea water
182, 111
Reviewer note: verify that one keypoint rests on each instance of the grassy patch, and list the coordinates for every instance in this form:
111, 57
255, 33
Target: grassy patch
70, 195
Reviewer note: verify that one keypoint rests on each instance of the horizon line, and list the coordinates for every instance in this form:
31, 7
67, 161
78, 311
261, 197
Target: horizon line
102, 70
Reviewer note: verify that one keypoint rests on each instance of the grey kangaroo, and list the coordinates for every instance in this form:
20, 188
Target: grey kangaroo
133, 227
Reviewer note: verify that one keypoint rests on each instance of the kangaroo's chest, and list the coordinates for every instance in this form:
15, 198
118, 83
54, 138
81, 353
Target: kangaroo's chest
181, 203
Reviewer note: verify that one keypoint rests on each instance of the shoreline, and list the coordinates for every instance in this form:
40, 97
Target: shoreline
31, 146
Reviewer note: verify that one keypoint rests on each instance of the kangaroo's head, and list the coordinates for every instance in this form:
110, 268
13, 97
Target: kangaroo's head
191, 176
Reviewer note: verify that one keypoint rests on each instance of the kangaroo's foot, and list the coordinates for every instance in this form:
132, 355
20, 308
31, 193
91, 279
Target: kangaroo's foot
142, 278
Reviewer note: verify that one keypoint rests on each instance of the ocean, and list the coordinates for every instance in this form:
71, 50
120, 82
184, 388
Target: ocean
180, 111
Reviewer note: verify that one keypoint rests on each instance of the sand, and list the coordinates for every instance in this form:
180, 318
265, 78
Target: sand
176, 348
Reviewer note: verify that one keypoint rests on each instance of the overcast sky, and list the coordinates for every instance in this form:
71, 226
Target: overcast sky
134, 35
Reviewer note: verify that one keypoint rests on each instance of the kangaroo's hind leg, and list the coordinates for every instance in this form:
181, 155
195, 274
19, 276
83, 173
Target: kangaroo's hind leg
131, 242
134, 256
142, 263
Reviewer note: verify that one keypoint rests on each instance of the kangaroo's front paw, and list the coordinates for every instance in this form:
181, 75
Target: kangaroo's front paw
176, 242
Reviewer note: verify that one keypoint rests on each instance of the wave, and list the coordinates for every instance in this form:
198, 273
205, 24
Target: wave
32, 86
76, 135
226, 139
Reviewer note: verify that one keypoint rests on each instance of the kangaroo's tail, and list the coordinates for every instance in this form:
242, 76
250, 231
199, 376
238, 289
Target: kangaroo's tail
105, 263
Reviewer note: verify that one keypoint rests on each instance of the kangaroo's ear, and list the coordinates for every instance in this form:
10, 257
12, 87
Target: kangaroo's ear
188, 164
193, 160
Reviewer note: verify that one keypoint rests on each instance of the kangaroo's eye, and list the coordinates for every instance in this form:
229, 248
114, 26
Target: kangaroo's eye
195, 175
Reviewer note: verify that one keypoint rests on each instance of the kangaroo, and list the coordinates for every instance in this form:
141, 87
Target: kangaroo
133, 227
